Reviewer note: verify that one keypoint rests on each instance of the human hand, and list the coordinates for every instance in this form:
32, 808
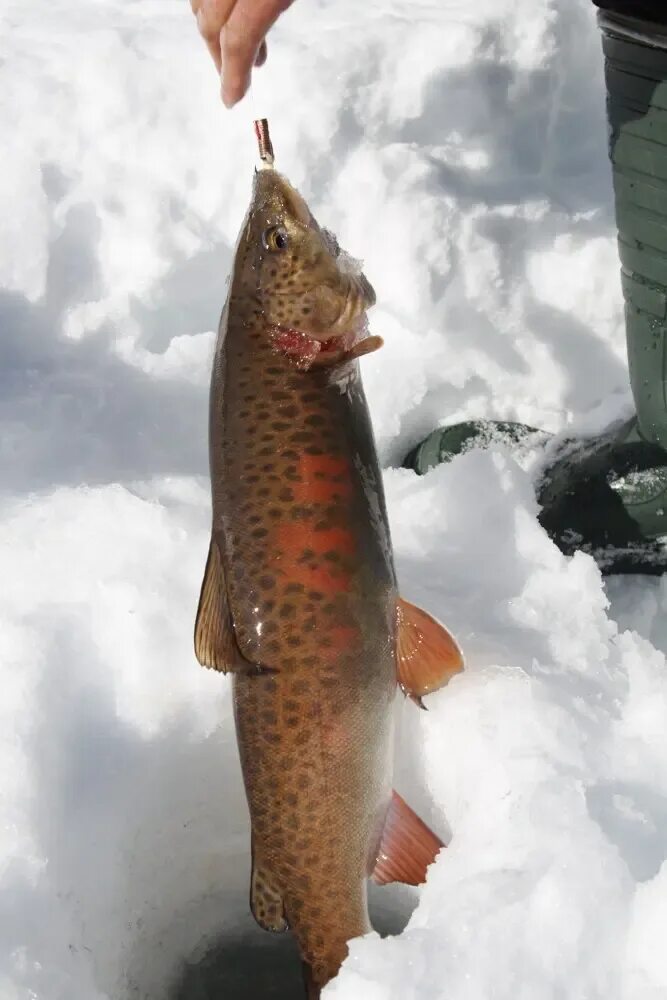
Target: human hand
234, 31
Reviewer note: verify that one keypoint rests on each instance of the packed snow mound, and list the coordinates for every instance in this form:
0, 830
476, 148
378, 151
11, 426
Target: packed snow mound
460, 150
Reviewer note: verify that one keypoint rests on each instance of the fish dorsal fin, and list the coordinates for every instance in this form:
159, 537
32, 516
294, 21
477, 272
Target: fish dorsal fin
407, 846
427, 656
266, 901
215, 645
215, 642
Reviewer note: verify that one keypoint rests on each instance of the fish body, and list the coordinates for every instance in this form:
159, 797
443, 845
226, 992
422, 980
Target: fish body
299, 599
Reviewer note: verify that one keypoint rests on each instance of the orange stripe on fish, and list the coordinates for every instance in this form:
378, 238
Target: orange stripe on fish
314, 557
302, 540
322, 479
341, 639
323, 466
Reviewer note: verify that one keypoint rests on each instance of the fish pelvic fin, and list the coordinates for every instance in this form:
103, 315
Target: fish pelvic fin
427, 655
215, 641
407, 846
266, 901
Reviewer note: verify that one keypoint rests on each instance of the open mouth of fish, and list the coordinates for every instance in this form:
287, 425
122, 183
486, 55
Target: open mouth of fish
308, 351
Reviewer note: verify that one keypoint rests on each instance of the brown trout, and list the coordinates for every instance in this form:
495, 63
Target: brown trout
299, 600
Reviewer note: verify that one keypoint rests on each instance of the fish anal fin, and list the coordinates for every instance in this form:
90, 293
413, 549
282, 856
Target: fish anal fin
407, 846
215, 642
266, 902
427, 656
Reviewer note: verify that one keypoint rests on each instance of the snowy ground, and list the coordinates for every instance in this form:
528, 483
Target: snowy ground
460, 149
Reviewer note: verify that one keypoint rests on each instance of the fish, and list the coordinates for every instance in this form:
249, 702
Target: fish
299, 601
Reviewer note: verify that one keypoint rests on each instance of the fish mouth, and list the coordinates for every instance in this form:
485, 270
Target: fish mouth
309, 350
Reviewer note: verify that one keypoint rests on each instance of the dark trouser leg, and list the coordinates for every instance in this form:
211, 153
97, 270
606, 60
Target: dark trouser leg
612, 493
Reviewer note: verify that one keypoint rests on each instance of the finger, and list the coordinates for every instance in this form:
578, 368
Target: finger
211, 17
241, 40
260, 58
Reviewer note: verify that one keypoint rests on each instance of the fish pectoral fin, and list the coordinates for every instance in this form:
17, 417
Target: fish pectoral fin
407, 846
215, 641
427, 656
266, 902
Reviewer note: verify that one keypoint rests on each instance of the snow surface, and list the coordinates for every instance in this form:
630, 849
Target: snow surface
460, 149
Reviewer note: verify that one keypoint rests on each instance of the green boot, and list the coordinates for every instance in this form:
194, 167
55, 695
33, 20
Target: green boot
608, 495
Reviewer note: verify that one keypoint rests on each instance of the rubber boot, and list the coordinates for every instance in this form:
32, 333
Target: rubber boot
609, 495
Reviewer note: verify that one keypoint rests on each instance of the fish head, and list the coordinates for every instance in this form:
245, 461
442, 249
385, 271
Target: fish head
295, 269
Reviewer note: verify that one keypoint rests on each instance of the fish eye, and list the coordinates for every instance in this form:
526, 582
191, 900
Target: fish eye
275, 238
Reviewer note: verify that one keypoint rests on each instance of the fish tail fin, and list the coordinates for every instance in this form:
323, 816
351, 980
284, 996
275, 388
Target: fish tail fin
312, 989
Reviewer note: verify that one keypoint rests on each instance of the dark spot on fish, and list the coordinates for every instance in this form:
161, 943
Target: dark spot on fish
254, 478
287, 610
263, 492
270, 718
294, 588
266, 582
274, 646
289, 411
293, 640
286, 494
259, 533
301, 687
308, 661
292, 721
310, 624
302, 435
313, 450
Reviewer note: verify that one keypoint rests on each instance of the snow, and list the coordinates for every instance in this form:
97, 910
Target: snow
460, 150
